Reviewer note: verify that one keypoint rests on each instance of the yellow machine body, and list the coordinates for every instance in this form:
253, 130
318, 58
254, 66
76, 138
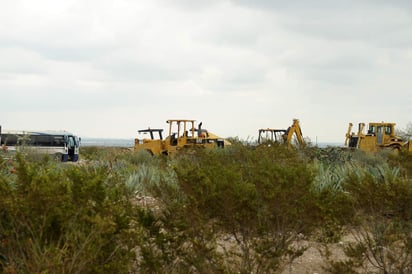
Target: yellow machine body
290, 136
182, 134
378, 136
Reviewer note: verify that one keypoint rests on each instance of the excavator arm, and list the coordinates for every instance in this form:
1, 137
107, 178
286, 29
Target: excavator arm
348, 134
294, 130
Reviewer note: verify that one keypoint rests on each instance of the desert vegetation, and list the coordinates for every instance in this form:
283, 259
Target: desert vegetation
242, 209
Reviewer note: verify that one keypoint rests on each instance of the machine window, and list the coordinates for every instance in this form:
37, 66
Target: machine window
388, 130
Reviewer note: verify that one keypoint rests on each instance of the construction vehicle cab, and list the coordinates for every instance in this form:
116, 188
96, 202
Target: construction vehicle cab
154, 144
378, 136
292, 135
270, 135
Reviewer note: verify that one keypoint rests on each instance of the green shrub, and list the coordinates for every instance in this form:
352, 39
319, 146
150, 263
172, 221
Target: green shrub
382, 223
60, 218
260, 198
240, 209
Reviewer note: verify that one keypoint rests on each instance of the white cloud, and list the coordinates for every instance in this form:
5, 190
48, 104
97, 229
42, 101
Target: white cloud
107, 68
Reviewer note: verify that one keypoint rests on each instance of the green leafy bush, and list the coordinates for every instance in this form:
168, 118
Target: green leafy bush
382, 222
59, 218
232, 210
241, 209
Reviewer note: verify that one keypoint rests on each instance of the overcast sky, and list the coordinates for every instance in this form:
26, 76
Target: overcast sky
106, 68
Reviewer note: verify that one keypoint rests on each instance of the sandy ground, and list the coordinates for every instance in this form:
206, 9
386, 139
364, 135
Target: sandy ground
311, 262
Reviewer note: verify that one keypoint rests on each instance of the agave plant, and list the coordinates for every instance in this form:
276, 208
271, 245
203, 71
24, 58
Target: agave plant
142, 178
331, 177
384, 173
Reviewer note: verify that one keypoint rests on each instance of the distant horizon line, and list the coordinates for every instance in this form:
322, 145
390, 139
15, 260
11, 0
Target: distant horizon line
108, 141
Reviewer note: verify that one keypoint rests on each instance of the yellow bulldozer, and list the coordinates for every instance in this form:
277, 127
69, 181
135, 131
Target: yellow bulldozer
378, 136
182, 134
291, 136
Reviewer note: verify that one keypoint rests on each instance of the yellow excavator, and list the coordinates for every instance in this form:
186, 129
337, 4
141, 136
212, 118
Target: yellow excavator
182, 134
290, 136
378, 136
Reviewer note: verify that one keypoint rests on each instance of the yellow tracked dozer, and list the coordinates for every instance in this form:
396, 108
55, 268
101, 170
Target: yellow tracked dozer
377, 137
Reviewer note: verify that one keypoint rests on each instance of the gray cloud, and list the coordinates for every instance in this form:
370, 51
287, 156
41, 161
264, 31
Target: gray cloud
385, 23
